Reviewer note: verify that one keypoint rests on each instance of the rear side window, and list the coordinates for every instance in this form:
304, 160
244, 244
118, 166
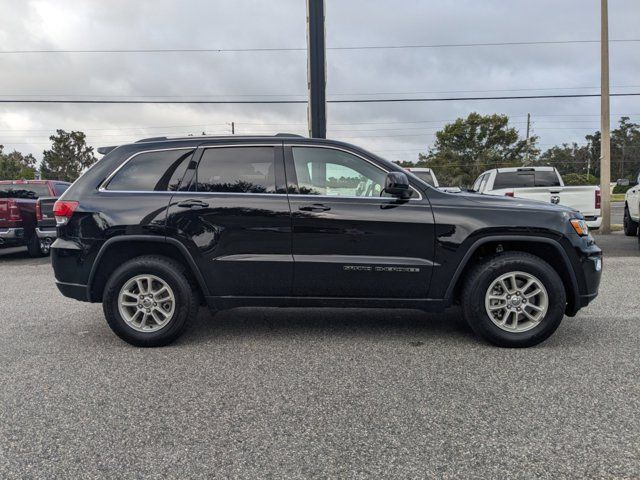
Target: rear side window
152, 171
24, 190
237, 170
527, 178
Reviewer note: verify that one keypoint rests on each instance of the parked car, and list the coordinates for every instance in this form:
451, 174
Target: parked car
159, 226
429, 176
425, 174
46, 222
18, 211
632, 210
544, 184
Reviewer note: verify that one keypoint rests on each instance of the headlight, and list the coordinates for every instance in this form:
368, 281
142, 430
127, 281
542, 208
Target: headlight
580, 226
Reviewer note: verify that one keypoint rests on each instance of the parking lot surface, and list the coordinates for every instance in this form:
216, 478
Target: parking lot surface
255, 393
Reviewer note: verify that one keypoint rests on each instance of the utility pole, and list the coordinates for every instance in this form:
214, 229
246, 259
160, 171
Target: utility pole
605, 119
316, 71
528, 130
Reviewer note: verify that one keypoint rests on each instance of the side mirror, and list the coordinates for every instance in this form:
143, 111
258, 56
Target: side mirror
397, 184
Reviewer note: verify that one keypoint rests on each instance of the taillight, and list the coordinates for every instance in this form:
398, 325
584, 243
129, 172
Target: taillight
508, 194
38, 211
14, 210
598, 199
63, 210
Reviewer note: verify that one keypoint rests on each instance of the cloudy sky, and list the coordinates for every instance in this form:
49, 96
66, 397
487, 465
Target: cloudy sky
397, 131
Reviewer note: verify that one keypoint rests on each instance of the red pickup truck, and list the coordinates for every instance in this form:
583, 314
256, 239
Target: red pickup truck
18, 211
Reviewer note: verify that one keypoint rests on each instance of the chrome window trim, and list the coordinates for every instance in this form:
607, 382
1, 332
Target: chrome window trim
334, 147
105, 183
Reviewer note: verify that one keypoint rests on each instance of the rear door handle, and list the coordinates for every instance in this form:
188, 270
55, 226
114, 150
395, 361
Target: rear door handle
193, 204
316, 207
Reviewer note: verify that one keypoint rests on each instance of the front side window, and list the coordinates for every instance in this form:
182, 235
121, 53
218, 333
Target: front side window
152, 171
60, 188
329, 172
237, 170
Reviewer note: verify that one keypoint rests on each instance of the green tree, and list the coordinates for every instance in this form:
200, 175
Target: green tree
15, 165
465, 148
68, 157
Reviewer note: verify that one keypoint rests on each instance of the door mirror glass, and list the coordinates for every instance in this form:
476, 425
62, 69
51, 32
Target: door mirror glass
397, 184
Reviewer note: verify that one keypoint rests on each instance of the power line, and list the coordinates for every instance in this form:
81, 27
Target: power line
292, 102
304, 49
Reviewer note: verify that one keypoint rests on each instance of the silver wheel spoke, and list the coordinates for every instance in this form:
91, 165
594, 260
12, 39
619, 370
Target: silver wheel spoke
146, 303
522, 305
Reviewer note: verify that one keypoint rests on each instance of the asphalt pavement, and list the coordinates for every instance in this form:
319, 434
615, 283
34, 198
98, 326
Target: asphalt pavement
317, 393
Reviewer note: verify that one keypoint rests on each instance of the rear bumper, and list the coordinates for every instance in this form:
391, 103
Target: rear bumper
73, 290
594, 222
11, 233
46, 232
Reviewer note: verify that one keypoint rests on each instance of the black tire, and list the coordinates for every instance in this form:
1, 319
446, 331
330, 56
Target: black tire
630, 227
171, 272
33, 247
485, 273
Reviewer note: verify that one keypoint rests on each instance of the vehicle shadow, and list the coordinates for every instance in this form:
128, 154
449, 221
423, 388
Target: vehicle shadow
368, 324
18, 255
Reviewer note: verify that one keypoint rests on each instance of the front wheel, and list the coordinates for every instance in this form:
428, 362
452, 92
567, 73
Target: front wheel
148, 301
514, 299
630, 227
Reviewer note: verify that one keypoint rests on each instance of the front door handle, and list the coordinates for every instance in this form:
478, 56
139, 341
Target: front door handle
193, 204
316, 207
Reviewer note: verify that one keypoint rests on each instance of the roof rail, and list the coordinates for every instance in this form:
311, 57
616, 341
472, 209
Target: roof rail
288, 135
152, 139
105, 150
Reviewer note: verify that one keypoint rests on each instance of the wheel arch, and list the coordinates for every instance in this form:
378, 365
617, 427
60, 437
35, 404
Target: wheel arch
545, 248
112, 253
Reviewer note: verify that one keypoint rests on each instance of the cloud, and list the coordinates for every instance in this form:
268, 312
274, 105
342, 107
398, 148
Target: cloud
390, 129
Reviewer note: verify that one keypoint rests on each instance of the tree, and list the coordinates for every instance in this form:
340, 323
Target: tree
465, 148
15, 165
68, 158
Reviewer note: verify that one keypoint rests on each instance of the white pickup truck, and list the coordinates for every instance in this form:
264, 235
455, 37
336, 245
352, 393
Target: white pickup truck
544, 184
632, 210
429, 176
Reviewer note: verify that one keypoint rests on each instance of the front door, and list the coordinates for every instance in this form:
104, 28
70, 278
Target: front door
349, 239
234, 218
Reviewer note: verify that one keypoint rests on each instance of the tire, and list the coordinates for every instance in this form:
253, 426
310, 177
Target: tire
475, 302
33, 247
630, 227
173, 314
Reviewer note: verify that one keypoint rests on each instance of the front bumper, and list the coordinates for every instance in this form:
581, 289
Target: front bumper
46, 233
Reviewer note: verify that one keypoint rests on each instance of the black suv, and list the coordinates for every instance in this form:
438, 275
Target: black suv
158, 227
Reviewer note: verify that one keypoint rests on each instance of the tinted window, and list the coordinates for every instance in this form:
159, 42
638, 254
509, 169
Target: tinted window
159, 171
24, 190
424, 176
547, 179
527, 178
60, 188
514, 180
324, 171
237, 169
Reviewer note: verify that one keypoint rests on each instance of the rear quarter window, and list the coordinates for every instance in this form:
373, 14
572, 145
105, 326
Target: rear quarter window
152, 171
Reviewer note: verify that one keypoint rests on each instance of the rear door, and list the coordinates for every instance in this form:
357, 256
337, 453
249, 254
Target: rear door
349, 240
234, 218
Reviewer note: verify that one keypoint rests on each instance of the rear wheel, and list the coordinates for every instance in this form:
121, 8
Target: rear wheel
34, 248
514, 299
630, 227
148, 301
